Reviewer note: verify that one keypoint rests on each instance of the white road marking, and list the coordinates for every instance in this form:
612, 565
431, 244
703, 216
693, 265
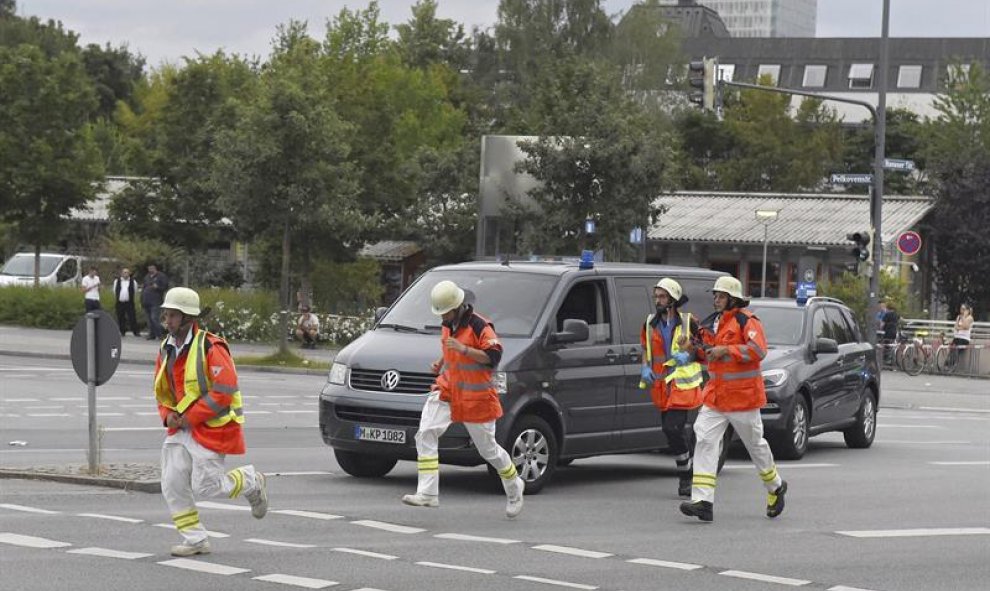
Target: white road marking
134, 428
916, 442
280, 544
886, 426
392, 527
665, 563
52, 407
554, 582
30, 541
844, 588
741, 574
257, 412
112, 517
205, 567
303, 473
468, 569
980, 463
27, 509
269, 404
953, 409
110, 414
268, 397
48, 414
920, 532
209, 534
110, 553
572, 551
22, 400
309, 514
10, 416
304, 582
468, 538
297, 412
117, 398
224, 506
785, 466
147, 413
365, 553
142, 405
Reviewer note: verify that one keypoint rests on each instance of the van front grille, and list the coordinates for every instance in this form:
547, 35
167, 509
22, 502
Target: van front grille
370, 380
382, 416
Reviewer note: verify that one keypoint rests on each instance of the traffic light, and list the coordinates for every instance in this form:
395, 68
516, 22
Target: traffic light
701, 77
863, 250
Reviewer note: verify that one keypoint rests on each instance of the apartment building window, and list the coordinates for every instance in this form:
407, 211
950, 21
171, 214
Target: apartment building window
814, 76
957, 74
909, 77
861, 76
772, 70
726, 72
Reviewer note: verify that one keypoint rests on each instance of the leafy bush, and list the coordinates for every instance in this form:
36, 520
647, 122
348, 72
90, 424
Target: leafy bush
46, 306
854, 291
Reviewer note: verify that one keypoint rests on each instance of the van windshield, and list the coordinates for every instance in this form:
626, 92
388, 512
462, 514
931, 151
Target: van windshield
782, 326
22, 265
513, 301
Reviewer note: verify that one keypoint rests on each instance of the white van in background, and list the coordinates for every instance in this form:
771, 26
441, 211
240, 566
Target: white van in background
55, 269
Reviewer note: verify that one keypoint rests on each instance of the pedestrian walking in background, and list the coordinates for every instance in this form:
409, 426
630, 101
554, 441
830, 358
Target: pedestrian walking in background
152, 294
733, 345
90, 286
671, 373
463, 393
200, 405
123, 296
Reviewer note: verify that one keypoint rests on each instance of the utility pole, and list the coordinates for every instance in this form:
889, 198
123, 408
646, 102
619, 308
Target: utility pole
876, 197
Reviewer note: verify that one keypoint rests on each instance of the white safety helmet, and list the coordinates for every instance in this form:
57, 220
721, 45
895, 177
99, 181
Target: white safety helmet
672, 288
182, 299
445, 297
729, 285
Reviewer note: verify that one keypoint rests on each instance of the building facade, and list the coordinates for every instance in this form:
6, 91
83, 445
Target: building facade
763, 18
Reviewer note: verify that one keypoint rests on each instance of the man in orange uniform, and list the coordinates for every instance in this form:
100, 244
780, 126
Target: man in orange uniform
200, 404
675, 376
463, 393
733, 345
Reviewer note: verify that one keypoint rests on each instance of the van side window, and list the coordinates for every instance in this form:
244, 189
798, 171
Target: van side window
588, 301
635, 303
67, 271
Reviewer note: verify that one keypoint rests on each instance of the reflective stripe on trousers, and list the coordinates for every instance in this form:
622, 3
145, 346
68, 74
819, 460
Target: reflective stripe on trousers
709, 428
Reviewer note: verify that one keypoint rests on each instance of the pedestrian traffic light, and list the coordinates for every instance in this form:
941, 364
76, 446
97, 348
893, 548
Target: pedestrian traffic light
701, 77
862, 251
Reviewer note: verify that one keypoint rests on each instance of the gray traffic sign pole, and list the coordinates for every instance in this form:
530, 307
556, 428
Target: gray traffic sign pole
94, 449
876, 199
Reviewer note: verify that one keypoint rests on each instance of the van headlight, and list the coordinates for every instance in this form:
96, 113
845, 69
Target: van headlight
774, 378
501, 382
338, 374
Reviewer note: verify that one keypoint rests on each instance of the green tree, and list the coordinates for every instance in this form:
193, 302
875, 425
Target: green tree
427, 40
283, 170
646, 47
958, 156
904, 139
115, 72
49, 163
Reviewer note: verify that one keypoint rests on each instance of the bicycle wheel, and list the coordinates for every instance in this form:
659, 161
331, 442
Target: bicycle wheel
946, 360
899, 356
913, 360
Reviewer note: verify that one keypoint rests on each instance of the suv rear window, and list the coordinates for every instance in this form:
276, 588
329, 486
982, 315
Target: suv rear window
513, 301
782, 326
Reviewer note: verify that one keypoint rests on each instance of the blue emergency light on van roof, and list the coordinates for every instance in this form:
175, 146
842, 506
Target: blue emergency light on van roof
587, 260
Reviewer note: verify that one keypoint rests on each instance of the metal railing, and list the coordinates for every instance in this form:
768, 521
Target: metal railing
931, 336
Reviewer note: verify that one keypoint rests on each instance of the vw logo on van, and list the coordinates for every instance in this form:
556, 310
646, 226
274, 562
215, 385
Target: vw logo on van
390, 379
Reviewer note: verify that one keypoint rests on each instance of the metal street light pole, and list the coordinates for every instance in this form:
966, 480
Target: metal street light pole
876, 203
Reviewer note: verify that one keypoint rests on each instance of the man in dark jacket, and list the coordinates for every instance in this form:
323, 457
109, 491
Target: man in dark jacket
124, 294
152, 296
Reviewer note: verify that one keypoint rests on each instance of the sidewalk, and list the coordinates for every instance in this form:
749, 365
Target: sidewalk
54, 344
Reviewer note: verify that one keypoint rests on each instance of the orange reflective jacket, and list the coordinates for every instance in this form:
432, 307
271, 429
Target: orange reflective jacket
463, 382
665, 392
736, 384
217, 400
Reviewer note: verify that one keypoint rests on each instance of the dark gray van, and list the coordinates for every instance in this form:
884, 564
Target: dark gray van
568, 378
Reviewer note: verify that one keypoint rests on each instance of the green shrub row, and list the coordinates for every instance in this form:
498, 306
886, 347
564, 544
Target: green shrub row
237, 315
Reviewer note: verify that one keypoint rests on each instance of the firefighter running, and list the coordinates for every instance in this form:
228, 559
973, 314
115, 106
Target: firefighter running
463, 392
200, 404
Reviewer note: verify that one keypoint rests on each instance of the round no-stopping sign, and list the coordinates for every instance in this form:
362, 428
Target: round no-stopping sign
909, 242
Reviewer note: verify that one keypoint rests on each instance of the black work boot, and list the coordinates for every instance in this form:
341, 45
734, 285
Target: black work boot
684, 485
775, 500
703, 510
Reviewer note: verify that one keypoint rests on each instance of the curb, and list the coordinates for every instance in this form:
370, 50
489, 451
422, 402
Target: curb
148, 486
123, 360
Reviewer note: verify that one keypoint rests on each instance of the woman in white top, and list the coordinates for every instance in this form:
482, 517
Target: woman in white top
963, 331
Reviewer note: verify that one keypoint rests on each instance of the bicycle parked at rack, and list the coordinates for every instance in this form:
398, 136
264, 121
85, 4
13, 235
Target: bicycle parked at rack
918, 354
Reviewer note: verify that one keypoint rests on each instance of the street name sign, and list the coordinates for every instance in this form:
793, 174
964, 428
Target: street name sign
851, 179
896, 164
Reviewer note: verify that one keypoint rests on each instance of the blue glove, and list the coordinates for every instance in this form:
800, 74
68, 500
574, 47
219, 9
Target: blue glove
646, 375
682, 357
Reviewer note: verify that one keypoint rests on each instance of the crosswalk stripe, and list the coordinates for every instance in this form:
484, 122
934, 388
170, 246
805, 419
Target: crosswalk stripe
665, 563
111, 517
309, 514
469, 538
572, 551
223, 506
392, 527
27, 509
741, 574
280, 544
469, 569
980, 463
205, 567
366, 553
554, 582
304, 582
209, 534
30, 541
785, 466
108, 553
919, 532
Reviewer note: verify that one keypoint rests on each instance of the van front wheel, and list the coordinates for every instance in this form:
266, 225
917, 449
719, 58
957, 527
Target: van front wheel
532, 445
363, 465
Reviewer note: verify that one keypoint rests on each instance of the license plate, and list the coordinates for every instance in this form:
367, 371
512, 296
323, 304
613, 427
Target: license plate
379, 434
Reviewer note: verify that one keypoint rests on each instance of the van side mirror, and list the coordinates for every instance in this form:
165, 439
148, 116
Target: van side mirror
825, 345
379, 312
574, 331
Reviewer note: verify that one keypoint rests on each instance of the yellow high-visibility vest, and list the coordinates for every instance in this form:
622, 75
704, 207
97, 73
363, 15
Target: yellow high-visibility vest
685, 376
198, 383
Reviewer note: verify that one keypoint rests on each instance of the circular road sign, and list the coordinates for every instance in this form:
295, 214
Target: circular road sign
107, 347
909, 242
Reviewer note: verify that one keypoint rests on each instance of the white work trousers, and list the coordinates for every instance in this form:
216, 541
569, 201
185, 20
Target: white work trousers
433, 423
709, 428
188, 468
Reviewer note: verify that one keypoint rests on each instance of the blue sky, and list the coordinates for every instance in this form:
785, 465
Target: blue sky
167, 30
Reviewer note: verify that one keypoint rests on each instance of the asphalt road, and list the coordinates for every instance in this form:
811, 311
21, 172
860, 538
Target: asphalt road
911, 513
